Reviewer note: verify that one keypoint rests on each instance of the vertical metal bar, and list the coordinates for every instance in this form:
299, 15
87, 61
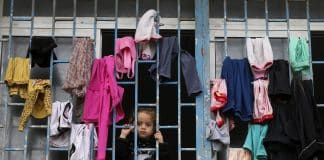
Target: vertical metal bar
136, 89
94, 53
179, 79
202, 58
74, 20
9, 55
309, 39
157, 80
266, 17
287, 18
114, 111
245, 19
225, 28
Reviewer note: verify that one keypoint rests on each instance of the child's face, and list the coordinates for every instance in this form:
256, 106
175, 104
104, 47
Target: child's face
144, 125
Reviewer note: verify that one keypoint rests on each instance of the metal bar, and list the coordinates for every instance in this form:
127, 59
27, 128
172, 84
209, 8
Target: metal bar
146, 61
320, 105
235, 20
61, 61
168, 83
16, 104
126, 82
58, 149
157, 84
188, 149
114, 111
136, 87
317, 62
266, 16
225, 28
170, 127
277, 20
14, 149
179, 80
147, 104
309, 40
316, 20
105, 19
188, 104
64, 19
38, 126
22, 18
203, 67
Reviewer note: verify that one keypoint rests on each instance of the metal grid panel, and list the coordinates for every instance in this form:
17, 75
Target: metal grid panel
135, 83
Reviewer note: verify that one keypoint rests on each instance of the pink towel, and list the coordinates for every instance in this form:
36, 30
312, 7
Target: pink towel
262, 106
125, 57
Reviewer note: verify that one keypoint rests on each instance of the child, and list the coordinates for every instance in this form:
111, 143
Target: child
146, 138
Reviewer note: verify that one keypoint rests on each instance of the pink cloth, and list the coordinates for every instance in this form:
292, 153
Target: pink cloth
262, 106
125, 57
218, 94
260, 56
146, 30
102, 96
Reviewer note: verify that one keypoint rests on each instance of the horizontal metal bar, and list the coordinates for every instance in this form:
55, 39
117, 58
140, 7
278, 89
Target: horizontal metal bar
217, 39
146, 61
147, 104
188, 104
4, 39
146, 149
22, 18
14, 149
320, 105
235, 19
60, 61
277, 20
16, 104
107, 149
316, 20
188, 149
119, 126
169, 127
58, 149
317, 62
63, 18
168, 83
187, 19
2, 82
38, 126
126, 82
105, 18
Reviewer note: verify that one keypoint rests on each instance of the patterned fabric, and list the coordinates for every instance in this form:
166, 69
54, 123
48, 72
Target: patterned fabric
17, 76
79, 71
238, 154
38, 103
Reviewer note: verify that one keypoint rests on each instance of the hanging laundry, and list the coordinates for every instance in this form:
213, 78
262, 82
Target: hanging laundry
102, 96
146, 34
78, 73
309, 128
77, 110
60, 125
279, 84
299, 57
169, 51
38, 103
218, 94
146, 28
40, 50
254, 141
238, 77
219, 136
238, 154
80, 142
262, 107
125, 56
17, 76
260, 56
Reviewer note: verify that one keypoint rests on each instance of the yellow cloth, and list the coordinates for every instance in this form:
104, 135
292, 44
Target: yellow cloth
38, 103
17, 76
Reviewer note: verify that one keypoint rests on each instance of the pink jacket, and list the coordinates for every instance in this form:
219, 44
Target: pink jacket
102, 96
125, 57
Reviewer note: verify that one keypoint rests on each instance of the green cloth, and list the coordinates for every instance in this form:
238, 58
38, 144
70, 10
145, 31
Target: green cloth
254, 141
299, 55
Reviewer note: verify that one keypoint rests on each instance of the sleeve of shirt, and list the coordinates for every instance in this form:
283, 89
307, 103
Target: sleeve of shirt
164, 151
122, 149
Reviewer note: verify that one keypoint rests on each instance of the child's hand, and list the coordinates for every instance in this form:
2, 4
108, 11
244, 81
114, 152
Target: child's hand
125, 131
158, 136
